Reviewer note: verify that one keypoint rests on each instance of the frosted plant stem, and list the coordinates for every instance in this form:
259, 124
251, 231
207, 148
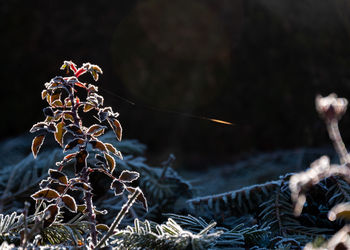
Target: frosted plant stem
119, 217
334, 135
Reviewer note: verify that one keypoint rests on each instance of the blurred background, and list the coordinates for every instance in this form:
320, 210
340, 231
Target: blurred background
256, 63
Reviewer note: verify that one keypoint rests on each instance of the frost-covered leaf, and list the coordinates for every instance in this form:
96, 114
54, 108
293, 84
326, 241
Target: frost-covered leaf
341, 210
110, 162
118, 187
117, 128
50, 214
58, 175
128, 176
73, 143
36, 144
96, 144
60, 133
45, 194
81, 161
69, 203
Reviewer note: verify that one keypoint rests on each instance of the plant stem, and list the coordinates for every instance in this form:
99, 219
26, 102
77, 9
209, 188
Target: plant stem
335, 136
89, 207
120, 216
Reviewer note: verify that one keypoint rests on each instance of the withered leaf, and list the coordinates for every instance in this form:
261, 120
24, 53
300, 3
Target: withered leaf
96, 130
38, 126
81, 186
128, 176
73, 129
113, 150
117, 128
73, 143
36, 144
69, 156
58, 176
118, 187
102, 227
54, 97
81, 161
68, 117
96, 144
88, 107
50, 214
60, 133
45, 194
141, 198
43, 94
69, 203
57, 104
110, 162
58, 187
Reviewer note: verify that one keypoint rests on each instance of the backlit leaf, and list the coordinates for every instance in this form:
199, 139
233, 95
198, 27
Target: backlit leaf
54, 97
113, 150
73, 129
57, 103
43, 94
117, 128
69, 156
118, 187
58, 187
36, 144
38, 126
73, 143
141, 198
96, 130
96, 144
128, 176
58, 175
102, 227
45, 194
60, 133
81, 186
110, 162
69, 203
68, 117
50, 214
88, 107
81, 161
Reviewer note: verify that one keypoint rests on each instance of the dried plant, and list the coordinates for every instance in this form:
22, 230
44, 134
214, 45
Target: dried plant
331, 109
63, 119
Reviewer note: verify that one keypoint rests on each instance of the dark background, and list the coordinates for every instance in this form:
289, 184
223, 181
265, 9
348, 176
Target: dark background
256, 63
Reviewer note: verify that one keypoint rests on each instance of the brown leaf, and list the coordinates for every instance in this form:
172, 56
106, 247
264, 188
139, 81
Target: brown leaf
58, 175
60, 133
88, 107
81, 186
340, 211
43, 94
128, 176
117, 128
58, 187
118, 187
96, 130
68, 117
50, 215
54, 97
36, 144
74, 129
96, 144
141, 198
102, 227
113, 150
69, 203
69, 157
45, 194
110, 162
81, 161
73, 143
